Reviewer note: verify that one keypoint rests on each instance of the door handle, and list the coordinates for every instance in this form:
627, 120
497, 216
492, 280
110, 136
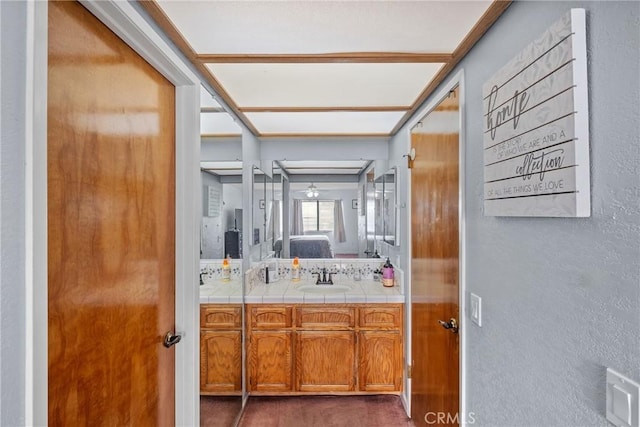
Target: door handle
452, 325
171, 340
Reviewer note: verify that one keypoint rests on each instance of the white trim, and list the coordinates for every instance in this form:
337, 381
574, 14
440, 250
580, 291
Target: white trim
456, 80
130, 26
462, 254
36, 294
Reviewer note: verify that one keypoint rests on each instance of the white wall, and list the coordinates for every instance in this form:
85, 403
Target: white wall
12, 212
561, 297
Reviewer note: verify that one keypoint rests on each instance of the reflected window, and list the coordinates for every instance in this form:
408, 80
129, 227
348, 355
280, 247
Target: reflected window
317, 215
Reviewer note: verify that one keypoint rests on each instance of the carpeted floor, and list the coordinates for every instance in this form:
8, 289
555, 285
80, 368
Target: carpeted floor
325, 411
219, 411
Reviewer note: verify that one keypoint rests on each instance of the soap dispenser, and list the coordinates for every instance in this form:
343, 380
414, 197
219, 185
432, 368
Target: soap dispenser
387, 274
226, 269
295, 269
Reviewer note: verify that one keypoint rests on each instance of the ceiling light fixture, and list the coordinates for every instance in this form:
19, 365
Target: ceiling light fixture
312, 191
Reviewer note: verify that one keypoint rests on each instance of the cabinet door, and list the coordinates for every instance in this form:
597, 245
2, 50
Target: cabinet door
221, 362
270, 361
380, 364
325, 361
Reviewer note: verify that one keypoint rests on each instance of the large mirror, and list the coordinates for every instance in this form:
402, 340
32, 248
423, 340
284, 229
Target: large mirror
389, 191
221, 227
220, 279
326, 210
262, 211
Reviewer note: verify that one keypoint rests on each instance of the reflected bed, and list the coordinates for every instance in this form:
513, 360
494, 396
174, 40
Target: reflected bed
309, 246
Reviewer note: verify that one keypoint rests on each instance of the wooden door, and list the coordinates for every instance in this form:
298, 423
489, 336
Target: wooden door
434, 266
325, 361
111, 227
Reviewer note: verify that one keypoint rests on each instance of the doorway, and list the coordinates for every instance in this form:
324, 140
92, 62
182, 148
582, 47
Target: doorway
435, 264
126, 22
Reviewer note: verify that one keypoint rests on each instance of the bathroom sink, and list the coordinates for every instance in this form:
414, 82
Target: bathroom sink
324, 289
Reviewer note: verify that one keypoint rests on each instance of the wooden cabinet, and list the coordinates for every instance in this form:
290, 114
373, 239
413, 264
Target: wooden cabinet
325, 361
380, 361
270, 360
220, 349
324, 348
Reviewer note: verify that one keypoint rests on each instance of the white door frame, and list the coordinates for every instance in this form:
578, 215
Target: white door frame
456, 80
122, 18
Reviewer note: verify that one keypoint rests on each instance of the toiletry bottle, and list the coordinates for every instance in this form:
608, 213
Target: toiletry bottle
387, 274
226, 270
295, 269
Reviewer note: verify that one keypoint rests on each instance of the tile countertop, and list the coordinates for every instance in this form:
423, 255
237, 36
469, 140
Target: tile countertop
216, 291
286, 291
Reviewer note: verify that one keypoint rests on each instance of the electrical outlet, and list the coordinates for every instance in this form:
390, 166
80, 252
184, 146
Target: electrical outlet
475, 309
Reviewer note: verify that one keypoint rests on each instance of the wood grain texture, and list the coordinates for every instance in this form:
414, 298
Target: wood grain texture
220, 362
435, 264
111, 228
270, 360
325, 317
325, 361
381, 317
270, 316
220, 316
380, 360
326, 356
220, 349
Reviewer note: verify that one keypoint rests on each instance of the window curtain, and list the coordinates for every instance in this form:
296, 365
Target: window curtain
297, 227
274, 226
339, 233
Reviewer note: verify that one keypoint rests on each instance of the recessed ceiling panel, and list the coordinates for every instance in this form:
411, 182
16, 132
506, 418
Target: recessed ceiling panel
324, 85
299, 27
218, 124
334, 122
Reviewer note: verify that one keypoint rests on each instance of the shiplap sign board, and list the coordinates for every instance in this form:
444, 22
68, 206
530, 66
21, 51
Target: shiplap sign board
536, 127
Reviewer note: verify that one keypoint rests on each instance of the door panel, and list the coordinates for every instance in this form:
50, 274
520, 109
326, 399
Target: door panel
111, 228
435, 265
325, 361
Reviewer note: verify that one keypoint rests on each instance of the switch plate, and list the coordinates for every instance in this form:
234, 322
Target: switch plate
475, 309
623, 409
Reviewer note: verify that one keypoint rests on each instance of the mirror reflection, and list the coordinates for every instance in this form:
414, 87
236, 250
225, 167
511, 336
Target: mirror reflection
329, 209
222, 210
220, 278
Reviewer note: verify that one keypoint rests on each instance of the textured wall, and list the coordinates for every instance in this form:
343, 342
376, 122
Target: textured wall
12, 225
561, 297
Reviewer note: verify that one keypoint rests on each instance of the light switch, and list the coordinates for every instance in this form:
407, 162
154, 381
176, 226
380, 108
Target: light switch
622, 404
623, 409
475, 309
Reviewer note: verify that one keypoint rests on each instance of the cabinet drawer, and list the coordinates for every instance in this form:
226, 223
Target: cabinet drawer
269, 317
322, 317
387, 317
220, 316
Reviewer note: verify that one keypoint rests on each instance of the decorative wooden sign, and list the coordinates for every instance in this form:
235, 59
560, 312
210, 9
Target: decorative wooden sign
536, 127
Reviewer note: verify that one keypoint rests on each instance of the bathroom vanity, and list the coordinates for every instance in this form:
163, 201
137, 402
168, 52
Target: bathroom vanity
309, 338
324, 348
302, 337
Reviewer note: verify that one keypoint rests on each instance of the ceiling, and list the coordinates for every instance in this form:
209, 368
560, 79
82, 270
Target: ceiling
320, 68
